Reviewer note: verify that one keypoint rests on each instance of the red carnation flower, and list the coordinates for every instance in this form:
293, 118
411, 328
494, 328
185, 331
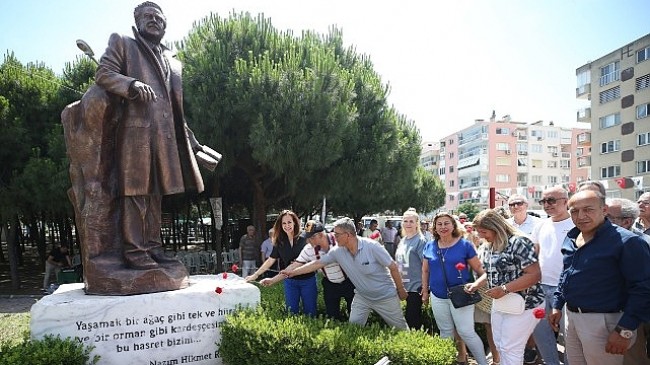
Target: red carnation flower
460, 266
374, 236
539, 313
234, 268
218, 290
225, 275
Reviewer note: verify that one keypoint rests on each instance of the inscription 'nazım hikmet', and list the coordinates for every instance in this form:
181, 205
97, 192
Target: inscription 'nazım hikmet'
183, 360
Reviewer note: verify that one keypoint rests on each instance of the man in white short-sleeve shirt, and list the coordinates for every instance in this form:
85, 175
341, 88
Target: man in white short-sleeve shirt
548, 237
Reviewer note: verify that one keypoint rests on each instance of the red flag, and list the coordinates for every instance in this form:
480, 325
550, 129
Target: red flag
620, 182
572, 187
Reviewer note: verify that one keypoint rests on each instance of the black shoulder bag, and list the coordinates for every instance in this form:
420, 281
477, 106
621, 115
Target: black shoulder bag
457, 294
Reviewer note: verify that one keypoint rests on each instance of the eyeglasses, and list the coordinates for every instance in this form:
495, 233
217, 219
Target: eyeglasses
643, 202
550, 201
513, 204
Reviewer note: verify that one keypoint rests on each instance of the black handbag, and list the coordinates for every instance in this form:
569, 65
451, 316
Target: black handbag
460, 298
457, 294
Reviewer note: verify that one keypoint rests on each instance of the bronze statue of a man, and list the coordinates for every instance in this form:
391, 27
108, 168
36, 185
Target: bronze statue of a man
129, 145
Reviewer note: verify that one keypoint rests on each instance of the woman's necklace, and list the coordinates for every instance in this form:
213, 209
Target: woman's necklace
443, 254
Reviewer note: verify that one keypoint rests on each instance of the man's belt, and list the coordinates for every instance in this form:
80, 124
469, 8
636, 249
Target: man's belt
588, 310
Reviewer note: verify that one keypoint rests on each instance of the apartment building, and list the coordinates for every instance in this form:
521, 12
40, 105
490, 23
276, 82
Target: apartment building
616, 90
513, 157
430, 155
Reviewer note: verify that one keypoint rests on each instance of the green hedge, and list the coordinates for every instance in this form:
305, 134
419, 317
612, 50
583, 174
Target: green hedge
259, 337
270, 335
48, 351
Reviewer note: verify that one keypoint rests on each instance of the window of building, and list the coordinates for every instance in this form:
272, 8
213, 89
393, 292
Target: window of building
536, 163
610, 120
521, 162
642, 82
522, 147
610, 146
536, 133
566, 178
565, 164
610, 73
537, 195
451, 155
552, 180
643, 55
503, 131
536, 179
451, 183
451, 169
610, 94
537, 148
642, 166
610, 171
503, 161
643, 139
503, 147
552, 164
502, 178
642, 111
583, 79
441, 171
552, 134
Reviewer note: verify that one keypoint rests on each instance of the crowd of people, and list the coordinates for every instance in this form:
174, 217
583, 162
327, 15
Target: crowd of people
581, 273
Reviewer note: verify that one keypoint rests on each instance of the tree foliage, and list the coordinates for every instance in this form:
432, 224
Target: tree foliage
297, 118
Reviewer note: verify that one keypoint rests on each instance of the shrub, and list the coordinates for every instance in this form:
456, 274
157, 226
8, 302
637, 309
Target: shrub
48, 351
259, 337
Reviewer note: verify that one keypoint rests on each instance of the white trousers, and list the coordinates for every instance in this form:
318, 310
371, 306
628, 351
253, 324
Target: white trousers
511, 332
248, 268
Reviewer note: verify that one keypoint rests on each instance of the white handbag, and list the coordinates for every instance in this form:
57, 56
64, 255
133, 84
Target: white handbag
511, 303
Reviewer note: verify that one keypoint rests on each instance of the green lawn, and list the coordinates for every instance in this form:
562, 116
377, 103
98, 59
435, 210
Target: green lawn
14, 327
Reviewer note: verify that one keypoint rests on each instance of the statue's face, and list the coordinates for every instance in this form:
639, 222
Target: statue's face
152, 24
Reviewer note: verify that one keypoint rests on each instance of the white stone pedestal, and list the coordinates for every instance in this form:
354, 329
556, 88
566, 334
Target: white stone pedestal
174, 327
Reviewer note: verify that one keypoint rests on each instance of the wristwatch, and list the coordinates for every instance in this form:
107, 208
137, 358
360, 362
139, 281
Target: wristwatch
505, 289
624, 332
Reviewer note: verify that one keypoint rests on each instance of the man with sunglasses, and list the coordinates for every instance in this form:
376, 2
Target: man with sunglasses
548, 237
643, 222
373, 272
520, 219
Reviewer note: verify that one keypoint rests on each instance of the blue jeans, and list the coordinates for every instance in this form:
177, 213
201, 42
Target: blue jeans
543, 334
295, 290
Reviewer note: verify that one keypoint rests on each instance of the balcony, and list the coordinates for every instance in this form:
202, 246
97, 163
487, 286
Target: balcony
584, 92
471, 138
584, 115
584, 138
584, 161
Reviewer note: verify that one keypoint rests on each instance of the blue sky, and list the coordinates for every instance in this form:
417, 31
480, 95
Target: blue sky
447, 62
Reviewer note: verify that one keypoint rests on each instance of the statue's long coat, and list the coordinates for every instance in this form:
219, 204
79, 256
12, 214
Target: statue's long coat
154, 155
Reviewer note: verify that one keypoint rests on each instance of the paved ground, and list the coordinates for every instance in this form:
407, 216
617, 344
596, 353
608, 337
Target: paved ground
17, 304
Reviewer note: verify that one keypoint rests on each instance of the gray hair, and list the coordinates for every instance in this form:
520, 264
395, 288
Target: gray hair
593, 185
629, 209
517, 197
346, 225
